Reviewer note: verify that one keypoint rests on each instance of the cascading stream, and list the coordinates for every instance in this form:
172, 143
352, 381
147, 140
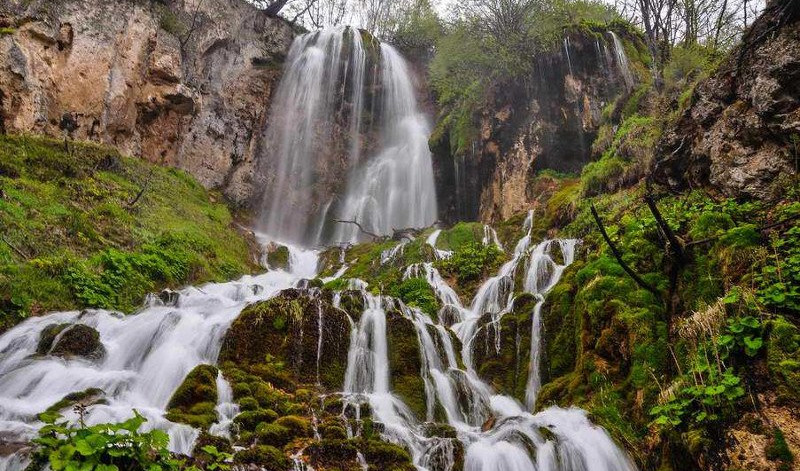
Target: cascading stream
147, 356
516, 440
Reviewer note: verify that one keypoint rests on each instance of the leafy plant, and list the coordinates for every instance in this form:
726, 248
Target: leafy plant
103, 447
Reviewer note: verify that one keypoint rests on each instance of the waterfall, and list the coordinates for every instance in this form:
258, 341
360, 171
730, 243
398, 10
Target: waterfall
622, 62
147, 356
395, 190
516, 441
313, 163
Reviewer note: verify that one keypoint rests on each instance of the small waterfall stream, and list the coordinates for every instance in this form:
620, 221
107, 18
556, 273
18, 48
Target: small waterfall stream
517, 440
147, 356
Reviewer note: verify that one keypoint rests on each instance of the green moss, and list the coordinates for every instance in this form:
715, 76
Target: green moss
77, 242
7, 30
278, 259
194, 401
405, 363
273, 434
778, 450
783, 358
418, 293
86, 397
266, 457
277, 341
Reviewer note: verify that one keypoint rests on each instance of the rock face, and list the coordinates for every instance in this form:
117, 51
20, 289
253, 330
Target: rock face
740, 135
287, 328
71, 340
185, 84
548, 120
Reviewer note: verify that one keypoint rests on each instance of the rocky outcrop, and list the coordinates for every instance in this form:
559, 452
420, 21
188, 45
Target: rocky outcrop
547, 119
287, 329
185, 84
71, 340
741, 133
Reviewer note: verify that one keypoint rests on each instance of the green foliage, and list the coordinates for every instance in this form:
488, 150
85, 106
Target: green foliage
778, 450
779, 280
703, 402
104, 447
169, 21
686, 65
472, 261
70, 238
7, 30
418, 293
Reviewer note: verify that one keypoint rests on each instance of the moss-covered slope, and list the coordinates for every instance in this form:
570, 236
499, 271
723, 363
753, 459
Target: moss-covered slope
83, 226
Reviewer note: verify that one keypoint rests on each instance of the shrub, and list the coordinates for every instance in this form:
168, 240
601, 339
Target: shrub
103, 447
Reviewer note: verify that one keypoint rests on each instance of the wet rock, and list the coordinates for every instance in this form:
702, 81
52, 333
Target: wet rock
737, 134
501, 351
85, 398
71, 340
277, 257
169, 297
405, 362
194, 401
287, 328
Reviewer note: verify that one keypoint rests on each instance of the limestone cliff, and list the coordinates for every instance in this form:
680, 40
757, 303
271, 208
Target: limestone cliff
547, 119
740, 134
180, 83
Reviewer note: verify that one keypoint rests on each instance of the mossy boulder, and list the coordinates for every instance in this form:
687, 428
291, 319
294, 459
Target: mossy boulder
506, 369
278, 257
194, 401
333, 454
405, 362
382, 455
71, 340
86, 397
287, 328
264, 457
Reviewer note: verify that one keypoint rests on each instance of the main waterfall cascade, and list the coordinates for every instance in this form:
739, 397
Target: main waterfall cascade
331, 74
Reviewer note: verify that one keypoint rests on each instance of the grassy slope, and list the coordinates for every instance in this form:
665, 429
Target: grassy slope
71, 239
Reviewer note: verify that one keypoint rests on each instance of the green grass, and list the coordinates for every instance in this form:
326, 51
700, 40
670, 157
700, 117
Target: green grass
70, 237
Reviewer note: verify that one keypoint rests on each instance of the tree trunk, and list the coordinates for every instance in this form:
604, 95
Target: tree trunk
275, 7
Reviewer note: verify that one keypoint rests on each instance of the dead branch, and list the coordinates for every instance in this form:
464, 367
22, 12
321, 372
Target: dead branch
360, 228
15, 248
146, 184
639, 281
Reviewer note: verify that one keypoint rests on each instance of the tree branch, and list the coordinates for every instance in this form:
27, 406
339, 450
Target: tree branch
360, 228
639, 281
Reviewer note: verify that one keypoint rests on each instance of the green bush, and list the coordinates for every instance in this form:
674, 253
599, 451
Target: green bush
418, 293
104, 447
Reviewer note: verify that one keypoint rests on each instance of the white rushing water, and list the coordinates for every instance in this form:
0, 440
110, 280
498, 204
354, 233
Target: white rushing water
622, 62
392, 188
147, 356
516, 439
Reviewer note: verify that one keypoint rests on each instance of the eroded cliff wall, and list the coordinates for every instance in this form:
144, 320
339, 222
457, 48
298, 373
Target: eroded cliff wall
181, 83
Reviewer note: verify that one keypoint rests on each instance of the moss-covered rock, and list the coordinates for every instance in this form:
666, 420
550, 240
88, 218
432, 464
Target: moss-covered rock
507, 369
382, 455
286, 328
86, 397
333, 454
278, 257
265, 457
405, 362
71, 340
194, 401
